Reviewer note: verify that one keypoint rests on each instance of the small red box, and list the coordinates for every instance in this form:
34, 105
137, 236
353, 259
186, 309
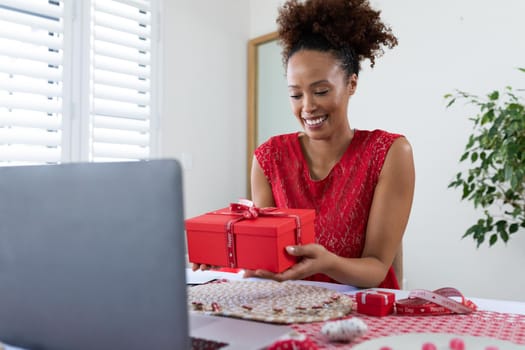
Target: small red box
258, 243
375, 303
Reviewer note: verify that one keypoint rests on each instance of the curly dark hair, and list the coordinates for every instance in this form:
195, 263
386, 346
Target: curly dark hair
350, 29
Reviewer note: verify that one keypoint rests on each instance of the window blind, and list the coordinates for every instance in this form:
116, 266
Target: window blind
31, 81
76, 80
120, 110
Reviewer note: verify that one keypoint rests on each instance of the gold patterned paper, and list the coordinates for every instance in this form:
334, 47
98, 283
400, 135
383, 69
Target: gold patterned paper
269, 301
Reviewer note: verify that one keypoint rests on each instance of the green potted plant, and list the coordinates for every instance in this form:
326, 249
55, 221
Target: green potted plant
495, 178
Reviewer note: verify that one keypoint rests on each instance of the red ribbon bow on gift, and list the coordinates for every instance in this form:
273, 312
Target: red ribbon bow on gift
246, 209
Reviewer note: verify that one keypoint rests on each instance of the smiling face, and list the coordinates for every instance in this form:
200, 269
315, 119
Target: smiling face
319, 92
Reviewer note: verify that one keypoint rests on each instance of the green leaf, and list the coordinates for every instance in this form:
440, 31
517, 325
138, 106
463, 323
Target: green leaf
470, 142
487, 117
470, 230
480, 239
455, 183
483, 155
490, 220
504, 236
514, 182
508, 172
501, 225
509, 195
495, 177
466, 191
494, 95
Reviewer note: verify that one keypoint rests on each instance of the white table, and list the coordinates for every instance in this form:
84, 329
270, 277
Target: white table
242, 334
245, 335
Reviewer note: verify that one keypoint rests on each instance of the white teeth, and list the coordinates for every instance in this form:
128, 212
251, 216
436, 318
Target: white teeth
316, 121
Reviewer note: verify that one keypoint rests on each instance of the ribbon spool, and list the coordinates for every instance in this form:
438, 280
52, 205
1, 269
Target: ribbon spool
438, 302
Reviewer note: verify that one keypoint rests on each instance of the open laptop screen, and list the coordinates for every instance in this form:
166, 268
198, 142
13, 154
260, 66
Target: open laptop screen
92, 256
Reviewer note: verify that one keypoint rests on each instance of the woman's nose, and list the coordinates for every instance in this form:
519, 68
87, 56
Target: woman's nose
309, 104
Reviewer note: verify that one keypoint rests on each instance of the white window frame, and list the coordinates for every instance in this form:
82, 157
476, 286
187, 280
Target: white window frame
76, 123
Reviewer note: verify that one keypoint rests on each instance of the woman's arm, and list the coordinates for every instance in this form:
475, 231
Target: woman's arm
262, 195
386, 222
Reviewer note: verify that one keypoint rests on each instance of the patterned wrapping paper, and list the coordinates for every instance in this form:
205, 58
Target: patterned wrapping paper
269, 301
497, 325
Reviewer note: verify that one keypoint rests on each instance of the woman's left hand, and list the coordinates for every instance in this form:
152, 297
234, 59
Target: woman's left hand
314, 258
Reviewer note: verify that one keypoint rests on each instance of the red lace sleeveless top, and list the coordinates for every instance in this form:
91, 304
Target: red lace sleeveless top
342, 200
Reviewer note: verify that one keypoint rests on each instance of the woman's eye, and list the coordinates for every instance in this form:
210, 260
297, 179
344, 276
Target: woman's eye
295, 97
321, 93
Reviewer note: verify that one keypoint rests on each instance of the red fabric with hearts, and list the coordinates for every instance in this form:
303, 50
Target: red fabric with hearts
502, 326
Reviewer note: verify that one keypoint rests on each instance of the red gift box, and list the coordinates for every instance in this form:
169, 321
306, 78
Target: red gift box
375, 303
233, 239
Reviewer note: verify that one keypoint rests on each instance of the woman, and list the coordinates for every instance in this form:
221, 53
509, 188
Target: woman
359, 182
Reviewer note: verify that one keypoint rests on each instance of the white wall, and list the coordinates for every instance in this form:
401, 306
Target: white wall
468, 45
444, 45
263, 14
204, 110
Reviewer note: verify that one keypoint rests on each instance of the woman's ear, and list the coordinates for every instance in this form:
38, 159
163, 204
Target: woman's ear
352, 84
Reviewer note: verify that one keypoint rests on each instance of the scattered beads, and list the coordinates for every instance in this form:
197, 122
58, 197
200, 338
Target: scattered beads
457, 344
454, 344
429, 346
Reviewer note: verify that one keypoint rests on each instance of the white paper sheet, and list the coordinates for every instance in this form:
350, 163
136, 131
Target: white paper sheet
200, 277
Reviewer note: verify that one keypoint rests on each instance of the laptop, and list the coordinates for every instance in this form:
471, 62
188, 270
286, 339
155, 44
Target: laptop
92, 256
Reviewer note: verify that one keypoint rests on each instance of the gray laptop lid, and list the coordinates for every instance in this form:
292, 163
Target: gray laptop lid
92, 256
